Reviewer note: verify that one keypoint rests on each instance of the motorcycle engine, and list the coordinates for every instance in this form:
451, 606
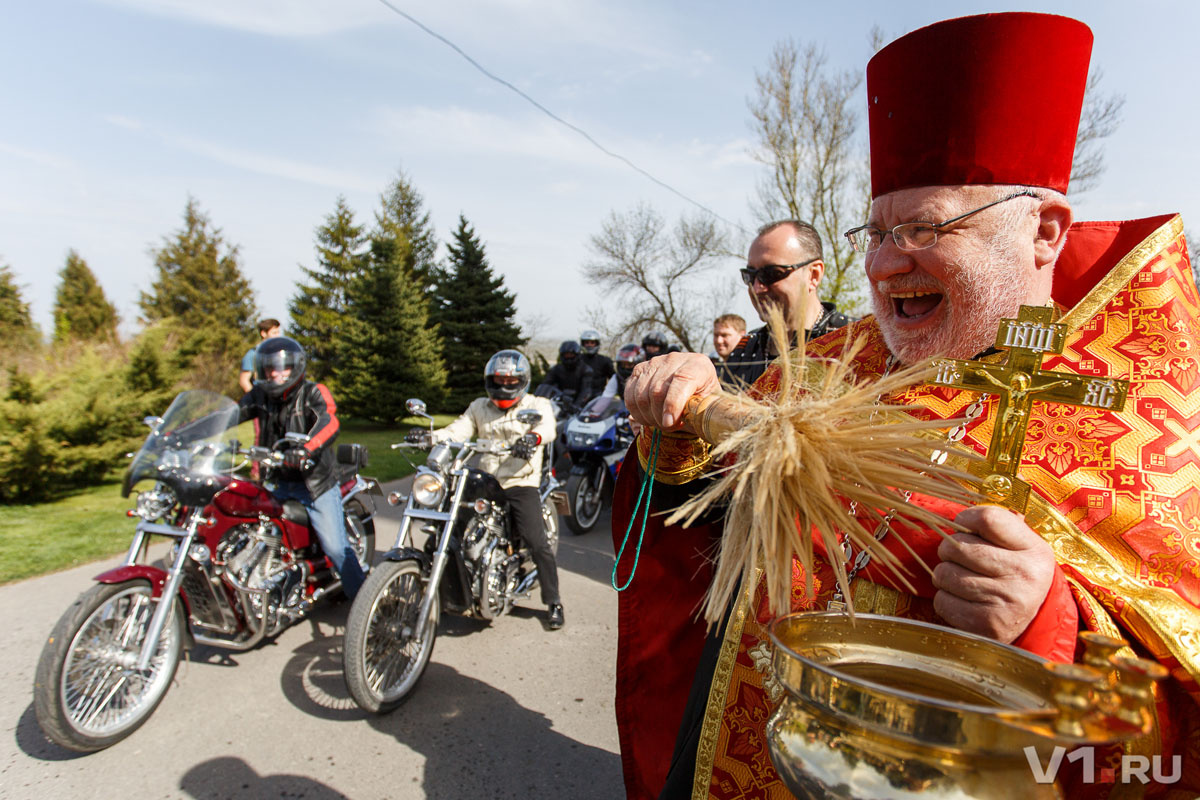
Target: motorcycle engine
252, 554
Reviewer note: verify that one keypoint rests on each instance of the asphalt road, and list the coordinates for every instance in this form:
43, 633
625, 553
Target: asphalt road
506, 710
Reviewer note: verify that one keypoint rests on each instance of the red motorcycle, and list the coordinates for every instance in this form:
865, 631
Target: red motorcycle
243, 567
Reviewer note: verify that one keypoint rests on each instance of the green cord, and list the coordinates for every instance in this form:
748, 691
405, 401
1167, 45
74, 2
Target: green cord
648, 491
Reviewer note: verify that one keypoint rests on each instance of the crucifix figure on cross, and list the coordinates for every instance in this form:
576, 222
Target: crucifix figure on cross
1017, 383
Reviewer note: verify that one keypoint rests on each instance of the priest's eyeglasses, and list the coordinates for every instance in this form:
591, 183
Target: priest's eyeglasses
916, 235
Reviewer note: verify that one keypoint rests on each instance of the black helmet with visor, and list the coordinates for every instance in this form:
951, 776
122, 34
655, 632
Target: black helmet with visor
279, 365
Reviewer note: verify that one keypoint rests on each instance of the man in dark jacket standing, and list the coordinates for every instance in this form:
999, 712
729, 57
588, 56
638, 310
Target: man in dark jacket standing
284, 402
784, 269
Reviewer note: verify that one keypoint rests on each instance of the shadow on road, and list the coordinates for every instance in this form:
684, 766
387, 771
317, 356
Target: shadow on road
479, 742
33, 742
229, 777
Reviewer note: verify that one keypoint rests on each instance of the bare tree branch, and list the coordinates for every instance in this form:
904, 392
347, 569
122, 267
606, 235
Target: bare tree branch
1099, 119
659, 279
806, 119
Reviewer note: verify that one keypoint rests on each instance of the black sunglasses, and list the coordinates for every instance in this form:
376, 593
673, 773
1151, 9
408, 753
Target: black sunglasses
772, 273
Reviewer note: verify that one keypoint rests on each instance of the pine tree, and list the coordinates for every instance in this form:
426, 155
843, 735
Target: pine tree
475, 315
387, 350
402, 217
81, 311
16, 324
319, 307
202, 289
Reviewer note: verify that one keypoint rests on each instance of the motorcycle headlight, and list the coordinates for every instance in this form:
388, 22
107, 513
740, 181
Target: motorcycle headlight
583, 440
155, 503
428, 489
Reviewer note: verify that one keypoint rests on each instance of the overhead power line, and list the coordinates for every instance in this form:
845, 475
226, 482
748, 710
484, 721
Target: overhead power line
554, 116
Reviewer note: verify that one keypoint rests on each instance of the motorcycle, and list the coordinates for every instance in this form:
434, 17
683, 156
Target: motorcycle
472, 563
243, 567
596, 440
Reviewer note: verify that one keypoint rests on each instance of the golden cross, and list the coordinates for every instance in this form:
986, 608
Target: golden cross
1017, 383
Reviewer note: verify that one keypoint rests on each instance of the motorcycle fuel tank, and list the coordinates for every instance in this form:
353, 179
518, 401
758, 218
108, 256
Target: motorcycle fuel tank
244, 499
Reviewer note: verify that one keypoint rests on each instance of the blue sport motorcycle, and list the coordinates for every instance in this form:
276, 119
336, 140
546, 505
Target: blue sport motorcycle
596, 440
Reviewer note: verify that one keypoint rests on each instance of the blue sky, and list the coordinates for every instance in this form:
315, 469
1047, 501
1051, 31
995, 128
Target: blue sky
266, 110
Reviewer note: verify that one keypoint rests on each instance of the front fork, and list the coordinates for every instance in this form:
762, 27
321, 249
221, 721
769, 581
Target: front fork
441, 554
171, 587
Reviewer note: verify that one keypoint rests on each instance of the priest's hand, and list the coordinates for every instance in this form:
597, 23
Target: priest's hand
992, 581
658, 389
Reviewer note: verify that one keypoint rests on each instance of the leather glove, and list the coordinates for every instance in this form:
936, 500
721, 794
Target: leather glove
298, 459
418, 437
526, 446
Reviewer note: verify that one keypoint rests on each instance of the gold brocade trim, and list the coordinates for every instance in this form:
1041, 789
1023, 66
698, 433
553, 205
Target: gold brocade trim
1161, 612
871, 598
1120, 275
718, 691
1151, 743
682, 457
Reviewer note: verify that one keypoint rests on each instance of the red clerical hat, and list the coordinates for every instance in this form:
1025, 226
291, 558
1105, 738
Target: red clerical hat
987, 99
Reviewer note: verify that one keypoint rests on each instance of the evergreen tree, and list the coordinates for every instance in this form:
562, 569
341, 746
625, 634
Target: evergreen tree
319, 307
16, 324
402, 217
81, 311
475, 315
387, 350
201, 289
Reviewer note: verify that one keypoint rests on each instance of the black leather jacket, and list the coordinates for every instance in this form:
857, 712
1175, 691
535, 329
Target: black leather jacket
578, 384
308, 408
751, 357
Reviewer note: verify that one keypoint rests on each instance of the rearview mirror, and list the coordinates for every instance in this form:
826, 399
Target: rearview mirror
415, 407
529, 417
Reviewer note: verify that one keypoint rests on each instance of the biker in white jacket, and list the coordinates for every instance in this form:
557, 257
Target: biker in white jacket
506, 380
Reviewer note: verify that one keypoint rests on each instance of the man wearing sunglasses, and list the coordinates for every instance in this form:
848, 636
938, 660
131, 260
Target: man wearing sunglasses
971, 156
783, 270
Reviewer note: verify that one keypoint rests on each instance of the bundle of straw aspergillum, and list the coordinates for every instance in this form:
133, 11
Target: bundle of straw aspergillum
801, 457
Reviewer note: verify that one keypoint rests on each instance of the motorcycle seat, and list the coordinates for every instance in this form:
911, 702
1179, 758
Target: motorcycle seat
294, 511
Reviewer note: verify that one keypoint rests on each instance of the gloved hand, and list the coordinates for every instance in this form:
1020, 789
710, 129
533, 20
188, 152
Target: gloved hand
298, 459
526, 446
418, 437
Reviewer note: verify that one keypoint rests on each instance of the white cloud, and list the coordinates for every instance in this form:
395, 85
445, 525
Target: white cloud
285, 18
36, 156
128, 123
278, 167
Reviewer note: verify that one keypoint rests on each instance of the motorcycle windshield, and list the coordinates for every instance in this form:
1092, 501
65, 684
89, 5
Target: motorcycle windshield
601, 408
191, 450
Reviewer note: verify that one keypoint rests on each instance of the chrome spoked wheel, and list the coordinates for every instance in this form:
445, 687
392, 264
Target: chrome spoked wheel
385, 655
89, 693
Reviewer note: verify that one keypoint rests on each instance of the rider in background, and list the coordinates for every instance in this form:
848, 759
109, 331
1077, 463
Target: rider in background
575, 379
628, 357
506, 380
654, 344
601, 364
284, 402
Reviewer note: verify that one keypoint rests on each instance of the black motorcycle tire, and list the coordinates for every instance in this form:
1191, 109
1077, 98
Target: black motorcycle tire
584, 516
67, 646
369, 642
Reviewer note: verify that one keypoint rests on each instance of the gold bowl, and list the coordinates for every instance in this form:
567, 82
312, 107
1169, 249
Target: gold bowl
882, 707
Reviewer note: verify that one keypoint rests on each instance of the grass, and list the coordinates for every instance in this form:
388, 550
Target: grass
49, 537
91, 524
383, 463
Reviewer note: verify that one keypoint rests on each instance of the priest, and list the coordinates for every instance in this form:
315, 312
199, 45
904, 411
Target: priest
972, 126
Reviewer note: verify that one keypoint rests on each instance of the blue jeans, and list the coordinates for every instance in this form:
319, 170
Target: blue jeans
328, 521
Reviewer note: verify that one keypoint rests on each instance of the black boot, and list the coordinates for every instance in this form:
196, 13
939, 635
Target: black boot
556, 620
